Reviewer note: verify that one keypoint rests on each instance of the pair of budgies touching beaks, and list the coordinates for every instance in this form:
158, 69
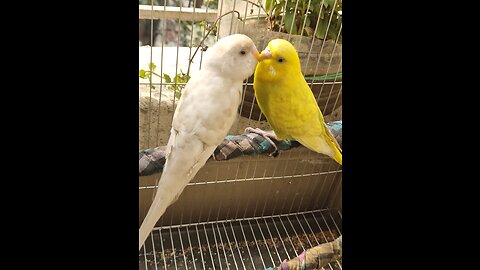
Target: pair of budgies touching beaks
209, 104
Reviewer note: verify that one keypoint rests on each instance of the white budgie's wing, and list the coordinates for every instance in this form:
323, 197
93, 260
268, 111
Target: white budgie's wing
205, 113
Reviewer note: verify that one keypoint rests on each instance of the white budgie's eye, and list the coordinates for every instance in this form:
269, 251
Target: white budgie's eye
242, 52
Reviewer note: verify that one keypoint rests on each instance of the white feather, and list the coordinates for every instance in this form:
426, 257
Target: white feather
205, 113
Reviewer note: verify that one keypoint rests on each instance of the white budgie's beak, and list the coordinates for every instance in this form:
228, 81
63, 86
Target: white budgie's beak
265, 54
255, 53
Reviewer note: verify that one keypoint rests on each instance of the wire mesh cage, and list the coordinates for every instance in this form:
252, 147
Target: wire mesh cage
250, 212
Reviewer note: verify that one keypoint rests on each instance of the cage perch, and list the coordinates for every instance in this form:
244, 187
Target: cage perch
151, 161
315, 257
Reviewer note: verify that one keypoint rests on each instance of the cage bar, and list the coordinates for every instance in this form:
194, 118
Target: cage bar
251, 212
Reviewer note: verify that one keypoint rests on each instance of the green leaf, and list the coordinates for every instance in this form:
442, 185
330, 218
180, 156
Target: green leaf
332, 32
315, 6
152, 66
338, 7
291, 6
322, 14
269, 5
300, 23
141, 73
328, 3
167, 78
290, 24
177, 78
321, 29
314, 3
178, 94
277, 10
308, 22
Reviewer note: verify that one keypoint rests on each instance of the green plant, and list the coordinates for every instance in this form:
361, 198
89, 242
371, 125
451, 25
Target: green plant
181, 78
179, 81
212, 4
291, 16
147, 74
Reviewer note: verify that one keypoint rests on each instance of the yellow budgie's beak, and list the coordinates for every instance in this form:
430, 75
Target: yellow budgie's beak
265, 54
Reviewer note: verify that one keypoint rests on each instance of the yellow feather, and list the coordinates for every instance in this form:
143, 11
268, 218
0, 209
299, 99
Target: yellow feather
288, 103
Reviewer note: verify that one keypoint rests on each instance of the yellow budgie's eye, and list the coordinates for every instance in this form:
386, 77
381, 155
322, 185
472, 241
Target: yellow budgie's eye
281, 60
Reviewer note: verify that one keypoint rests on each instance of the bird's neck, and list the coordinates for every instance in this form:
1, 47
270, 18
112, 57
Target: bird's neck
269, 74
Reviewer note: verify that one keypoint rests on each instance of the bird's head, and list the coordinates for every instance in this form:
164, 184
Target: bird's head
235, 56
278, 60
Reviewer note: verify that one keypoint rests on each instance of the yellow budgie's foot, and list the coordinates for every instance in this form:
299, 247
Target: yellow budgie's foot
268, 135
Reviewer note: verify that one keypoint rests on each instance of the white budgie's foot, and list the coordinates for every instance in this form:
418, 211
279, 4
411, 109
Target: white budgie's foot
268, 135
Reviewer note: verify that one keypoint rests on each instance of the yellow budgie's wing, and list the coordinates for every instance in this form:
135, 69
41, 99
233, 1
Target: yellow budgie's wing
292, 111
331, 137
334, 144
315, 135
322, 144
328, 133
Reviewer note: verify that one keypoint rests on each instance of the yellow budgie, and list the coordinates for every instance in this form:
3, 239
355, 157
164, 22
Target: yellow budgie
288, 103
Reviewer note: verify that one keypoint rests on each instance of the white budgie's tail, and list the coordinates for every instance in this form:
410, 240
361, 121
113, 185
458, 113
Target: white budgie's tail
182, 165
160, 203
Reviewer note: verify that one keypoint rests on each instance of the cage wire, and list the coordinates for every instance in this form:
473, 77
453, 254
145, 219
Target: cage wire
251, 212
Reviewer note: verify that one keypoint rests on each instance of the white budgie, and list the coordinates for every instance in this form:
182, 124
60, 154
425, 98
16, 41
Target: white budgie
205, 113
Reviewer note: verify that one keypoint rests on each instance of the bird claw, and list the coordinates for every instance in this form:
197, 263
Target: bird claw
268, 136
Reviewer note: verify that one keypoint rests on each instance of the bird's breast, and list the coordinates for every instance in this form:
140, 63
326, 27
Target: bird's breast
286, 108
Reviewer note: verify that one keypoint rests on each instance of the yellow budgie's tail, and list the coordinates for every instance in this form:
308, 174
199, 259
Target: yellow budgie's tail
324, 144
338, 155
332, 142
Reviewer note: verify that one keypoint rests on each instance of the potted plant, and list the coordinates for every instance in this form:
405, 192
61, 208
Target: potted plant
314, 27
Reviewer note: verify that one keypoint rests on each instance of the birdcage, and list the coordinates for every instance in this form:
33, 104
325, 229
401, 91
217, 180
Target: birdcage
251, 211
